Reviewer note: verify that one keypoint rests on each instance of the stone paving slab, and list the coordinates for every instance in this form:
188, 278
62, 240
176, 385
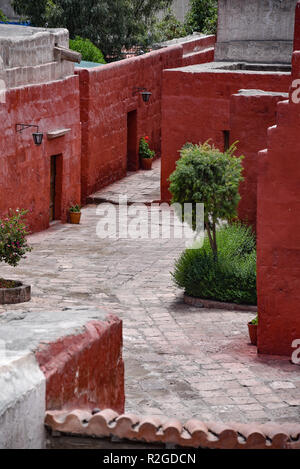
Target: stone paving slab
139, 187
180, 361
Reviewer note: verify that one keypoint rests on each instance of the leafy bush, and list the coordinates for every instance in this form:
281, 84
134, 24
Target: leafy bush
203, 16
232, 278
3, 17
88, 50
13, 243
144, 150
206, 175
169, 27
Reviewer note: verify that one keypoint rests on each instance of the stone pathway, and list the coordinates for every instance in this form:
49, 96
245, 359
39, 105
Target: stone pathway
180, 361
138, 187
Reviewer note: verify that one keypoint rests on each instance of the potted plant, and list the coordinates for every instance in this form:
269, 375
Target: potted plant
13, 248
146, 154
252, 326
75, 214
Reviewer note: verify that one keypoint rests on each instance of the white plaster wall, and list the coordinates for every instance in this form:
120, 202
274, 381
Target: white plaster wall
22, 402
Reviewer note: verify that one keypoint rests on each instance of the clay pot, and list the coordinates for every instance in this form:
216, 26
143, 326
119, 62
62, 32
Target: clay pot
253, 333
146, 163
75, 218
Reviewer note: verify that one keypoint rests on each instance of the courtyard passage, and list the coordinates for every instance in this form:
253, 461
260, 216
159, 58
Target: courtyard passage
180, 361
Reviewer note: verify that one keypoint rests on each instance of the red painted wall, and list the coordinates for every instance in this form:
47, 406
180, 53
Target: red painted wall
297, 28
199, 51
278, 232
24, 167
106, 95
85, 370
250, 117
196, 107
106, 98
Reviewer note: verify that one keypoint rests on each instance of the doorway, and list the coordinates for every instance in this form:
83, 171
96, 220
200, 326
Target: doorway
132, 153
55, 187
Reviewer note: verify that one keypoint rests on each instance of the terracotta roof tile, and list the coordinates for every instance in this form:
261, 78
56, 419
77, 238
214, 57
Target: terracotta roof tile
193, 433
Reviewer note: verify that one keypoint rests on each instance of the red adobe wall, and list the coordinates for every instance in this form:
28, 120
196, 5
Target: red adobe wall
251, 114
199, 51
85, 370
196, 107
106, 98
297, 28
278, 231
24, 167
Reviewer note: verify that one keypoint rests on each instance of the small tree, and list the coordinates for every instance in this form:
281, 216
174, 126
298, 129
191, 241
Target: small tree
13, 242
206, 175
203, 16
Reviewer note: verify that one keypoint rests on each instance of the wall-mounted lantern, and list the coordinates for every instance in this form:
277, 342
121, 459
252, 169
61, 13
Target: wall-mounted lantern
37, 136
143, 92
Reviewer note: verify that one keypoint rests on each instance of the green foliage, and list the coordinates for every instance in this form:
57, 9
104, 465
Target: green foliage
232, 278
3, 17
88, 50
110, 25
13, 243
169, 28
75, 208
203, 16
144, 149
255, 321
206, 175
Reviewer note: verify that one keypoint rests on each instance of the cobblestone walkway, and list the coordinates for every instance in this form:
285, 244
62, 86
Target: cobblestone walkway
180, 361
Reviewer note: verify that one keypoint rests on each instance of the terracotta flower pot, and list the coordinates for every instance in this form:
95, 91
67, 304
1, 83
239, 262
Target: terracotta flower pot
75, 218
146, 163
253, 333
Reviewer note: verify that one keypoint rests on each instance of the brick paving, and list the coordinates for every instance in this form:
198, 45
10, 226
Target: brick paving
180, 361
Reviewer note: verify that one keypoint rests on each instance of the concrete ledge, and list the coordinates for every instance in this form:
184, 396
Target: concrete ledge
56, 360
211, 304
22, 401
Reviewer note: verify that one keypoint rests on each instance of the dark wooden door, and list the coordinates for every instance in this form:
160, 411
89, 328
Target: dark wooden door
132, 153
52, 188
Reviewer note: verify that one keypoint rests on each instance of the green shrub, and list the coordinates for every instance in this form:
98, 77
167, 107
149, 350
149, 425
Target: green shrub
230, 278
203, 16
13, 242
3, 17
88, 50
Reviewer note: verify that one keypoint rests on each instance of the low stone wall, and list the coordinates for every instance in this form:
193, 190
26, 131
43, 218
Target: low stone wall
56, 360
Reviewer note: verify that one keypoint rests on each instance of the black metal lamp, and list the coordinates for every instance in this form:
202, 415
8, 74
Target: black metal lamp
143, 92
37, 136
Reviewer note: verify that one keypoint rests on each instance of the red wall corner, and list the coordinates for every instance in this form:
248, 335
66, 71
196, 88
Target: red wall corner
85, 370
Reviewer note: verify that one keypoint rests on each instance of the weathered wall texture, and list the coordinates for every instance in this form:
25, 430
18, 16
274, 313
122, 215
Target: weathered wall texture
196, 107
87, 369
25, 167
22, 402
278, 230
56, 360
106, 95
256, 30
251, 113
